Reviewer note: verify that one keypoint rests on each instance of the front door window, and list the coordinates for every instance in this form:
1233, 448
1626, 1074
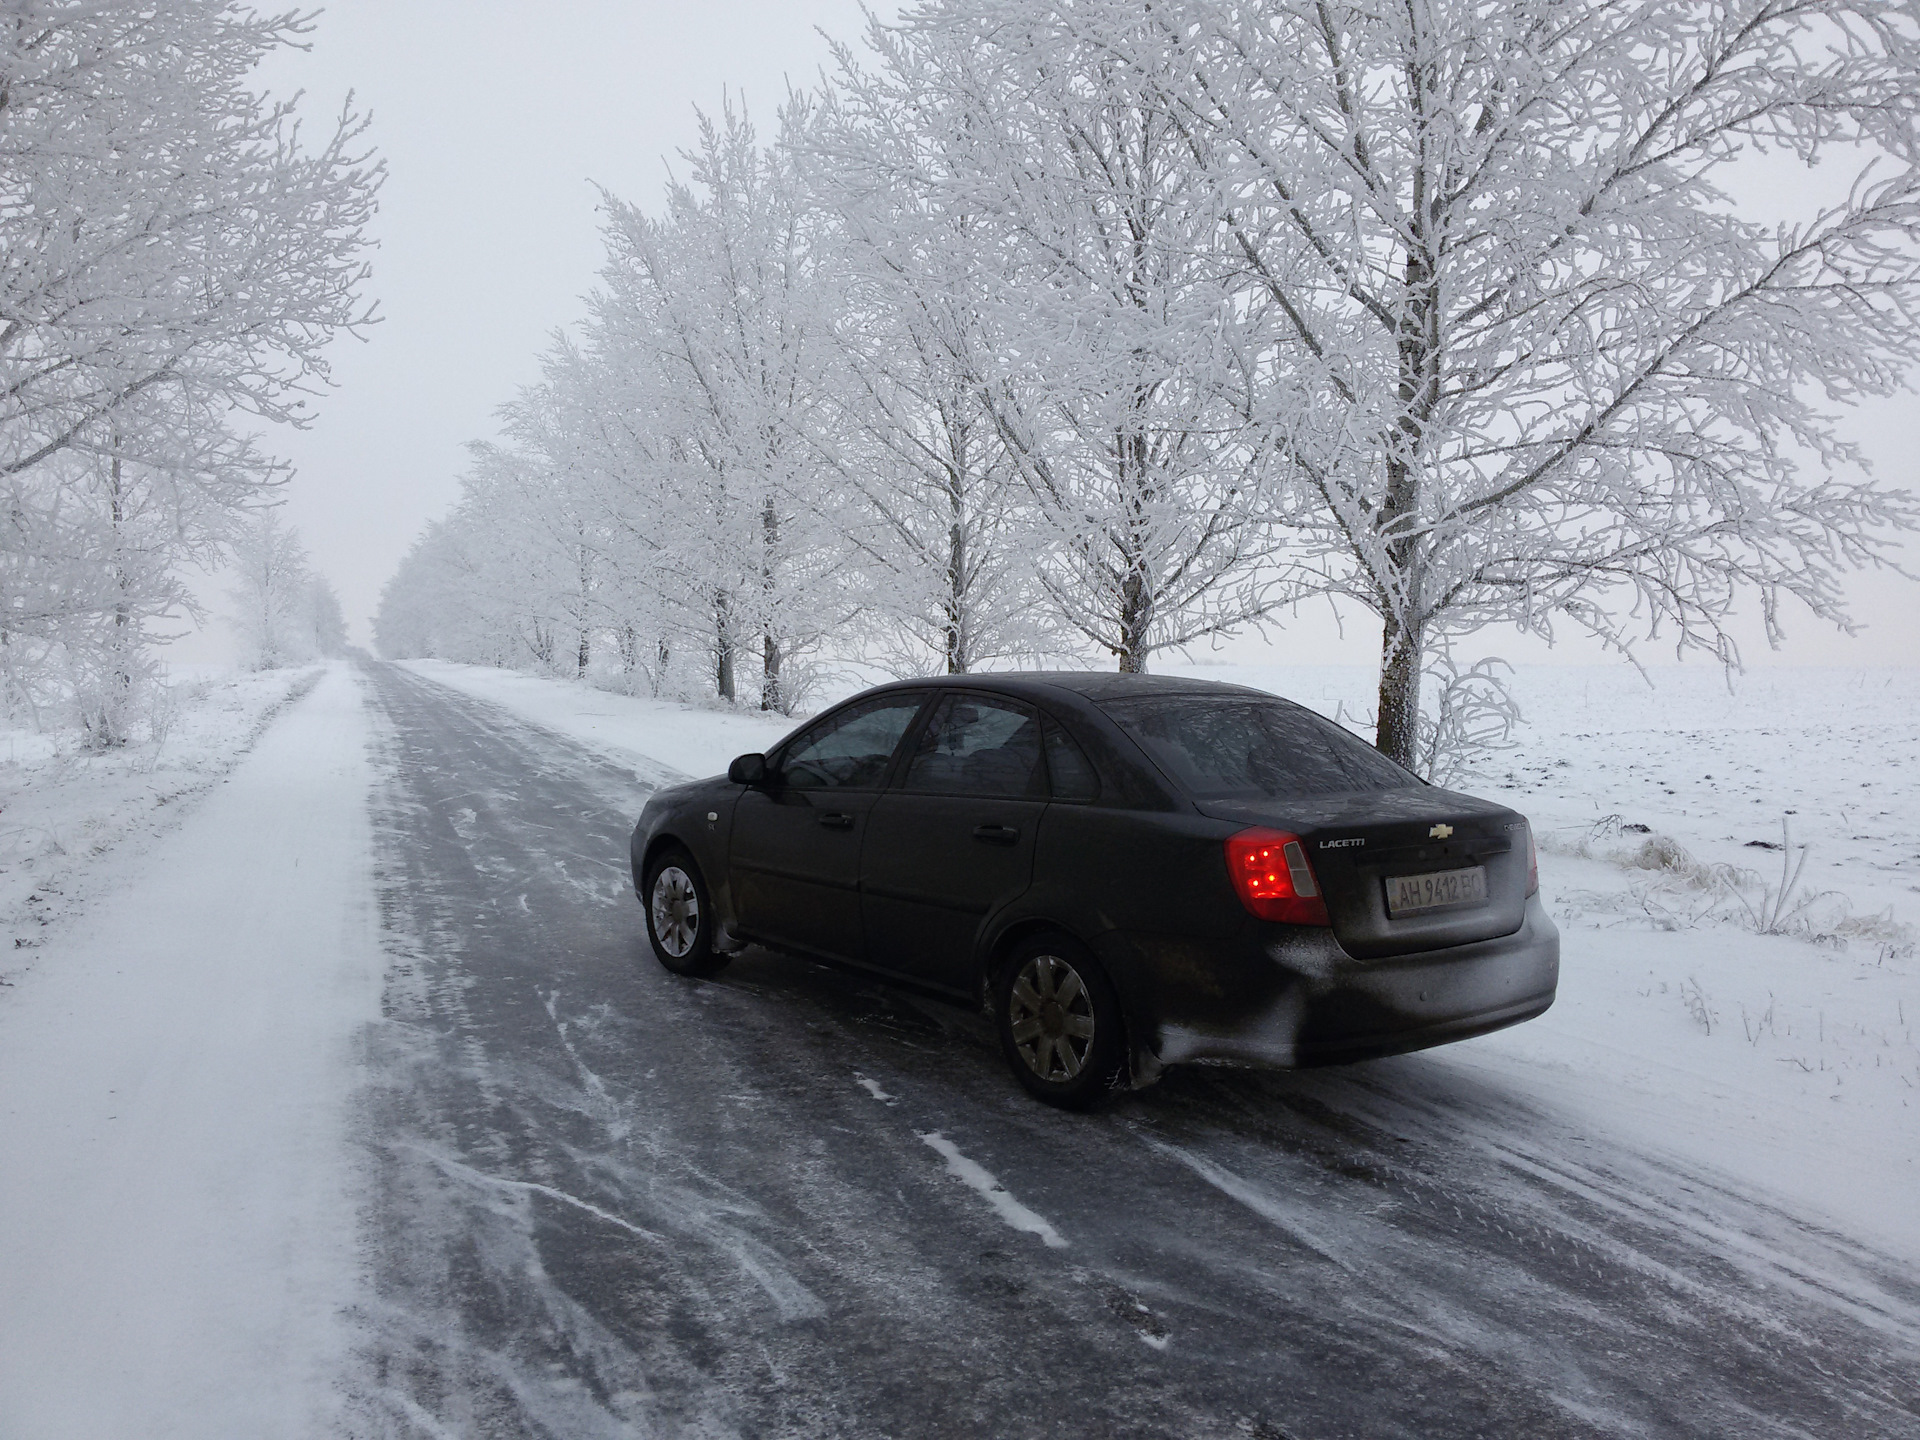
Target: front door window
849, 750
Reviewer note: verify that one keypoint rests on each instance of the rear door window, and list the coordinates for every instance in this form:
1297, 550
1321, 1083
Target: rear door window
1072, 773
1234, 748
975, 745
849, 750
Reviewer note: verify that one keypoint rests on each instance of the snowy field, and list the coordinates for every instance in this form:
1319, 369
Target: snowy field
62, 810
1787, 1060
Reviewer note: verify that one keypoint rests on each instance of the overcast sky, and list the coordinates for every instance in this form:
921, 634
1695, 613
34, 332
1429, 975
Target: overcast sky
497, 118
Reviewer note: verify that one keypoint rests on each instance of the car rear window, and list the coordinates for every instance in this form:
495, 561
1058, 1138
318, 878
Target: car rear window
1234, 748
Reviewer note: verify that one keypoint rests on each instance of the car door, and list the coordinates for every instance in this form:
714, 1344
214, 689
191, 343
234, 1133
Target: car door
794, 854
953, 839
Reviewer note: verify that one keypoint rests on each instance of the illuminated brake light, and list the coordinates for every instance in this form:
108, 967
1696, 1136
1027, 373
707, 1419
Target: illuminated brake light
1270, 872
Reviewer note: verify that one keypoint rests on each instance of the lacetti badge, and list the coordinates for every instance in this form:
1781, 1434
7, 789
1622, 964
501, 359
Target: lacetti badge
1440, 832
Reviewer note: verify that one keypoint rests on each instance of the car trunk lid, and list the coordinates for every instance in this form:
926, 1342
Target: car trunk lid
1360, 844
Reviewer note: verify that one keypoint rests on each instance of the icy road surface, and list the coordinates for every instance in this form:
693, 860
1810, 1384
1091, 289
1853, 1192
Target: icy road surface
790, 1201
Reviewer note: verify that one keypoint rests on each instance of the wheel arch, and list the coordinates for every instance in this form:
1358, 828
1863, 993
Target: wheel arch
994, 953
662, 841
1137, 1023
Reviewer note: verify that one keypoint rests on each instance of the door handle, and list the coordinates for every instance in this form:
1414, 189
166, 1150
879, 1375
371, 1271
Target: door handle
836, 820
997, 834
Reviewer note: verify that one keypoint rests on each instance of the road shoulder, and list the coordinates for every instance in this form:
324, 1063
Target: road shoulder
177, 1241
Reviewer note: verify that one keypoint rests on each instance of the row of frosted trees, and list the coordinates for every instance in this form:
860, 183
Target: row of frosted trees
174, 256
1098, 328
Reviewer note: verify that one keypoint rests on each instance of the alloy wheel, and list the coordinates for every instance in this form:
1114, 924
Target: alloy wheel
676, 911
1051, 1017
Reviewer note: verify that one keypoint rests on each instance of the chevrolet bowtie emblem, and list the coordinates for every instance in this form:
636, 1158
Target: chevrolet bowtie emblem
1440, 832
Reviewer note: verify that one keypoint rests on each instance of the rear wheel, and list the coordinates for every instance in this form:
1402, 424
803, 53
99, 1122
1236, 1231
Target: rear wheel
1060, 1023
679, 917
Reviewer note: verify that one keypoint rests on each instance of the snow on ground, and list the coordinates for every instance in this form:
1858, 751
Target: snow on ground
177, 1241
1789, 1062
641, 734
62, 810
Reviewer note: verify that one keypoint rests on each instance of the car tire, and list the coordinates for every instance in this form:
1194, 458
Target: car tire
1061, 1025
679, 914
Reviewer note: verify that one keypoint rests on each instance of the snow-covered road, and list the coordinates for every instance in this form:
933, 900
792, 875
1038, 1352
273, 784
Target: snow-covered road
595, 1199
791, 1201
178, 1242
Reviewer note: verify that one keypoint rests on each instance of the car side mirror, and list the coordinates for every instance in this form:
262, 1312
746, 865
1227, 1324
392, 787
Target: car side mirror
748, 770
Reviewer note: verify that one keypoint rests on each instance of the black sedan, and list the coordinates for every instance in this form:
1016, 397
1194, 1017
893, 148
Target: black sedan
1134, 871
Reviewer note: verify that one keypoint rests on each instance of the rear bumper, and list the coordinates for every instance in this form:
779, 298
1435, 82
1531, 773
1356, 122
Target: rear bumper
1288, 997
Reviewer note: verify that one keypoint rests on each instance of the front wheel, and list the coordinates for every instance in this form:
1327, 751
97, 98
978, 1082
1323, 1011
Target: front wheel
1060, 1023
679, 916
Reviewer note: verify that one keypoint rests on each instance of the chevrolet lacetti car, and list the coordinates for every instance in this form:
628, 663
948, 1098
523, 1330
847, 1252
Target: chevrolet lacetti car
1134, 871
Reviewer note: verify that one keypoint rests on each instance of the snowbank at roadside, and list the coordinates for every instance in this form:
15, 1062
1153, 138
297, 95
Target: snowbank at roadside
62, 810
641, 734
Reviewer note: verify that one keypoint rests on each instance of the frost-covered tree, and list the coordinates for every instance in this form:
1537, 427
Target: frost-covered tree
93, 561
1535, 365
615, 428
273, 583
534, 506
944, 532
174, 256
1123, 343
165, 229
719, 296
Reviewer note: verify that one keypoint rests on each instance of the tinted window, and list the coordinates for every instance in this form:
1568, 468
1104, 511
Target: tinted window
1247, 749
977, 746
1072, 774
849, 750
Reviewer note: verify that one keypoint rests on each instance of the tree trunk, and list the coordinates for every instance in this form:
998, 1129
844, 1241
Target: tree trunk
1136, 617
117, 701
723, 646
581, 656
1402, 642
959, 660
1398, 732
1137, 598
771, 697
769, 647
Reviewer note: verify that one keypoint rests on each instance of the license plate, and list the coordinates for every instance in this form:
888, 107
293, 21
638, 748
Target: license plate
1440, 890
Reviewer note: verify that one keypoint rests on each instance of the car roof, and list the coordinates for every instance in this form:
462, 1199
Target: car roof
1095, 685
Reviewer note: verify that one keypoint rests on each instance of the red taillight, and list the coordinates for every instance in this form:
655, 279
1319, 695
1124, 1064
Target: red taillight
1270, 871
